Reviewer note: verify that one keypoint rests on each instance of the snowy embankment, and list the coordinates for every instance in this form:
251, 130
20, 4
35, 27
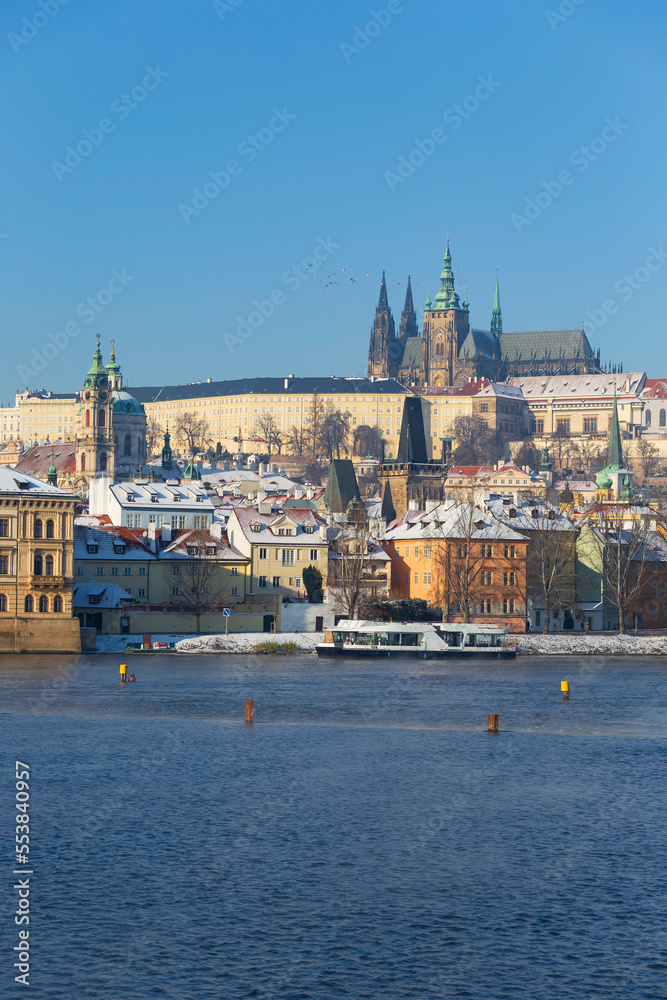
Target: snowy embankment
243, 642
558, 644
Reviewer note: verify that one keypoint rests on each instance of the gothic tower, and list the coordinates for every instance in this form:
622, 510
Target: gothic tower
382, 355
496, 315
446, 325
408, 327
94, 448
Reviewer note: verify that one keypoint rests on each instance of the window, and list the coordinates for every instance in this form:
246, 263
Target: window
48, 566
92, 549
38, 528
288, 557
4, 565
416, 552
128, 444
142, 571
297, 581
487, 551
654, 587
29, 604
538, 619
508, 606
235, 591
314, 555
263, 554
428, 551
235, 571
4, 527
261, 581
488, 606
407, 578
510, 552
141, 592
49, 528
427, 577
79, 570
127, 571
648, 418
276, 581
3, 602
175, 591
57, 604
176, 569
654, 614
416, 577
590, 425
99, 571
484, 408
662, 418
537, 426
308, 529
407, 551
38, 565
119, 549
43, 603
486, 579
200, 521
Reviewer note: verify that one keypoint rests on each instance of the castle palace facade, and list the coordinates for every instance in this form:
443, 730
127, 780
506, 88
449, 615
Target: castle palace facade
451, 352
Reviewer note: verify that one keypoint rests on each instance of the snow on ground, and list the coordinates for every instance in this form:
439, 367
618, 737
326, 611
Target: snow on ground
243, 642
558, 644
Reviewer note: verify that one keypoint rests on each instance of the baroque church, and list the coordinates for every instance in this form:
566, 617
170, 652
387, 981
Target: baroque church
451, 352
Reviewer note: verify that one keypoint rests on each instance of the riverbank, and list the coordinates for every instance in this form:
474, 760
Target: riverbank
532, 644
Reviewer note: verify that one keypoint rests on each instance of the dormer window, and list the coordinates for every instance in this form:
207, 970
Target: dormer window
154, 498
192, 550
94, 598
92, 548
119, 550
255, 527
308, 528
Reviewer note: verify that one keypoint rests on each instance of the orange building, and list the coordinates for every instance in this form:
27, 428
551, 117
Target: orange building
462, 559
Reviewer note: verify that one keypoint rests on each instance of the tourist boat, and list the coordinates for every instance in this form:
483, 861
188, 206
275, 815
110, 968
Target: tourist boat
428, 640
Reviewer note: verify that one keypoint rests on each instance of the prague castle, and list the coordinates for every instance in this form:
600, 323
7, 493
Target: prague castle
451, 352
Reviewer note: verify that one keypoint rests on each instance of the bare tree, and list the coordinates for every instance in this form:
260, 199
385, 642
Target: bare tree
201, 581
476, 442
297, 439
459, 560
648, 457
334, 431
528, 454
367, 441
564, 448
591, 457
315, 418
349, 565
193, 431
268, 429
154, 435
624, 552
551, 557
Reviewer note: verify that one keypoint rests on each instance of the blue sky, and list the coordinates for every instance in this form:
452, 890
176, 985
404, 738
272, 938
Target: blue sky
182, 87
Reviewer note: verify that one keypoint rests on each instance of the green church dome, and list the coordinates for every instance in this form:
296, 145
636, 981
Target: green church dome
603, 482
125, 402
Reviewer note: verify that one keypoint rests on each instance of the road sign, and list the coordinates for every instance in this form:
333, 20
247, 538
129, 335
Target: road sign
225, 612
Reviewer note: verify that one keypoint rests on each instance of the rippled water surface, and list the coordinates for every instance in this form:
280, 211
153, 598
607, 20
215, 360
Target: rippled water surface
365, 838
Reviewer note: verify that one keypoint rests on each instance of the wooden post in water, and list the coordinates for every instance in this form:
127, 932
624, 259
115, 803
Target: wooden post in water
250, 712
492, 724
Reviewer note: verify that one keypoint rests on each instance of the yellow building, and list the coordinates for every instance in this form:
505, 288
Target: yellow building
36, 571
230, 408
280, 546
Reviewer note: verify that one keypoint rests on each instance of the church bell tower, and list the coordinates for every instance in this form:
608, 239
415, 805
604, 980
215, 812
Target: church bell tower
94, 448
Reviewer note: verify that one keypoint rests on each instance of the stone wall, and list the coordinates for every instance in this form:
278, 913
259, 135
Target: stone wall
40, 635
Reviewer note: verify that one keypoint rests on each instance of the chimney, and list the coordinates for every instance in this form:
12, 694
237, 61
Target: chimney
166, 534
286, 381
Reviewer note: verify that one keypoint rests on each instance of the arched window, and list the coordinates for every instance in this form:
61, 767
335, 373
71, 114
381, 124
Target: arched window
102, 417
103, 461
43, 603
38, 564
663, 418
38, 528
57, 604
49, 528
29, 603
128, 444
87, 418
48, 566
3, 602
83, 462
648, 418
439, 349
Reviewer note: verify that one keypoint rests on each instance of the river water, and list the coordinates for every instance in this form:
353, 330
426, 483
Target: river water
365, 838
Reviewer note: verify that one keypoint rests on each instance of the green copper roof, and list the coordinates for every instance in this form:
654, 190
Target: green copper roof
342, 488
496, 315
113, 368
97, 376
125, 402
191, 471
603, 482
447, 297
428, 299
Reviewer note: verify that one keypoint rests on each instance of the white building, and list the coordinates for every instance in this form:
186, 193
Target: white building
157, 505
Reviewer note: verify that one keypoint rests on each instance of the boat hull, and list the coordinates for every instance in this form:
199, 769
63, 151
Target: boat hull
415, 653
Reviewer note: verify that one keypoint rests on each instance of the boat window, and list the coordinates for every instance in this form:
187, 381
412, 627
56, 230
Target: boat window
452, 638
409, 638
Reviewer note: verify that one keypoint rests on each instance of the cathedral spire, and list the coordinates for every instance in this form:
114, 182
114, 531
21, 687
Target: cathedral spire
447, 297
496, 315
382, 355
615, 449
408, 326
383, 304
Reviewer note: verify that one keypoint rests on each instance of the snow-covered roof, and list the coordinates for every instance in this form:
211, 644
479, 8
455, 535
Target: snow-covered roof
267, 525
13, 481
104, 595
98, 531
450, 520
170, 495
593, 386
215, 548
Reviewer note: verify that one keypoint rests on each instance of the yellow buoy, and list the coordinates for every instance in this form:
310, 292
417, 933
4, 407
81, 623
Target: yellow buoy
123, 672
565, 686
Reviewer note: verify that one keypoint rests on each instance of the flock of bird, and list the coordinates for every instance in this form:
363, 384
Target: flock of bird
330, 279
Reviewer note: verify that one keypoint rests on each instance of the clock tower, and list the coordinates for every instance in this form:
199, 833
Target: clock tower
95, 448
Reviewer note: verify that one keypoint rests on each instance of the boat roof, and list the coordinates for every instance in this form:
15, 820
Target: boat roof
359, 624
